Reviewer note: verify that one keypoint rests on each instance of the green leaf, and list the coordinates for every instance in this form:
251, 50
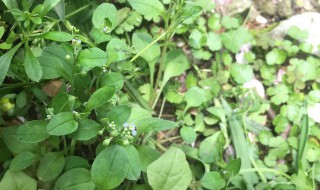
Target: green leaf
63, 103
110, 167
99, 36
119, 114
194, 97
32, 131
87, 129
21, 99
147, 156
150, 8
188, 134
234, 166
57, 36
54, 62
134, 170
234, 39
229, 22
214, 41
155, 124
213, 180
62, 124
140, 41
112, 79
173, 169
120, 48
210, 148
17, 181
103, 12
76, 162
75, 179
1, 31
296, 33
276, 56
176, 63
13, 143
48, 5
5, 61
92, 57
60, 10
100, 97
279, 93
50, 166
241, 73
22, 161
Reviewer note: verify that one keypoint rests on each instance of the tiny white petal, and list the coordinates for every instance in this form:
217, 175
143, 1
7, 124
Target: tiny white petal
255, 85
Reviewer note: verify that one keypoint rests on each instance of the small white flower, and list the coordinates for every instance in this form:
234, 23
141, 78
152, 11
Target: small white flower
49, 117
314, 112
255, 85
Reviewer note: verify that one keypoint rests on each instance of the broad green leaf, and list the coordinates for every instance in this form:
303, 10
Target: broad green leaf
234, 39
276, 56
99, 36
92, 57
214, 41
211, 148
13, 143
119, 114
150, 8
120, 48
1, 31
17, 181
140, 41
32, 131
62, 124
57, 36
194, 97
76, 162
87, 129
5, 61
241, 73
103, 12
60, 10
63, 103
48, 5
234, 166
147, 156
22, 161
213, 180
110, 167
75, 179
50, 166
114, 79
54, 62
170, 172
21, 99
176, 63
100, 97
134, 163
188, 134
155, 124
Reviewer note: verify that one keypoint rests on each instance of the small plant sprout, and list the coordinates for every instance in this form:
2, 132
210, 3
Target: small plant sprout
49, 112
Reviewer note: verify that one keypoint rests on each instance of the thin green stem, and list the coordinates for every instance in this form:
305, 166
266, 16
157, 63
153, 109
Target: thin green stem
162, 107
265, 170
148, 46
65, 148
72, 146
77, 11
263, 178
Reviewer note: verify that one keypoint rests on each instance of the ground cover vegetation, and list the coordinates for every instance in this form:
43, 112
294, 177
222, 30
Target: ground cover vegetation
153, 94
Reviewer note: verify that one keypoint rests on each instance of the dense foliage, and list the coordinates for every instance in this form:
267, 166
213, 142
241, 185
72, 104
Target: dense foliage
153, 94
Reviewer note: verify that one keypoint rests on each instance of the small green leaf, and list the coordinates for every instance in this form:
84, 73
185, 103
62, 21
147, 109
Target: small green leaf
112, 79
134, 170
155, 124
62, 124
21, 99
50, 166
150, 8
76, 162
234, 166
214, 41
75, 179
104, 11
188, 134
147, 156
110, 167
173, 169
241, 73
119, 114
194, 97
63, 103
22, 161
5, 61
120, 48
276, 56
32, 131
48, 5
100, 97
17, 181
213, 180
87, 129
57, 36
210, 148
234, 39
92, 57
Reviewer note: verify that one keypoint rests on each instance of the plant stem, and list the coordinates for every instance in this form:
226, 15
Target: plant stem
72, 146
265, 170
